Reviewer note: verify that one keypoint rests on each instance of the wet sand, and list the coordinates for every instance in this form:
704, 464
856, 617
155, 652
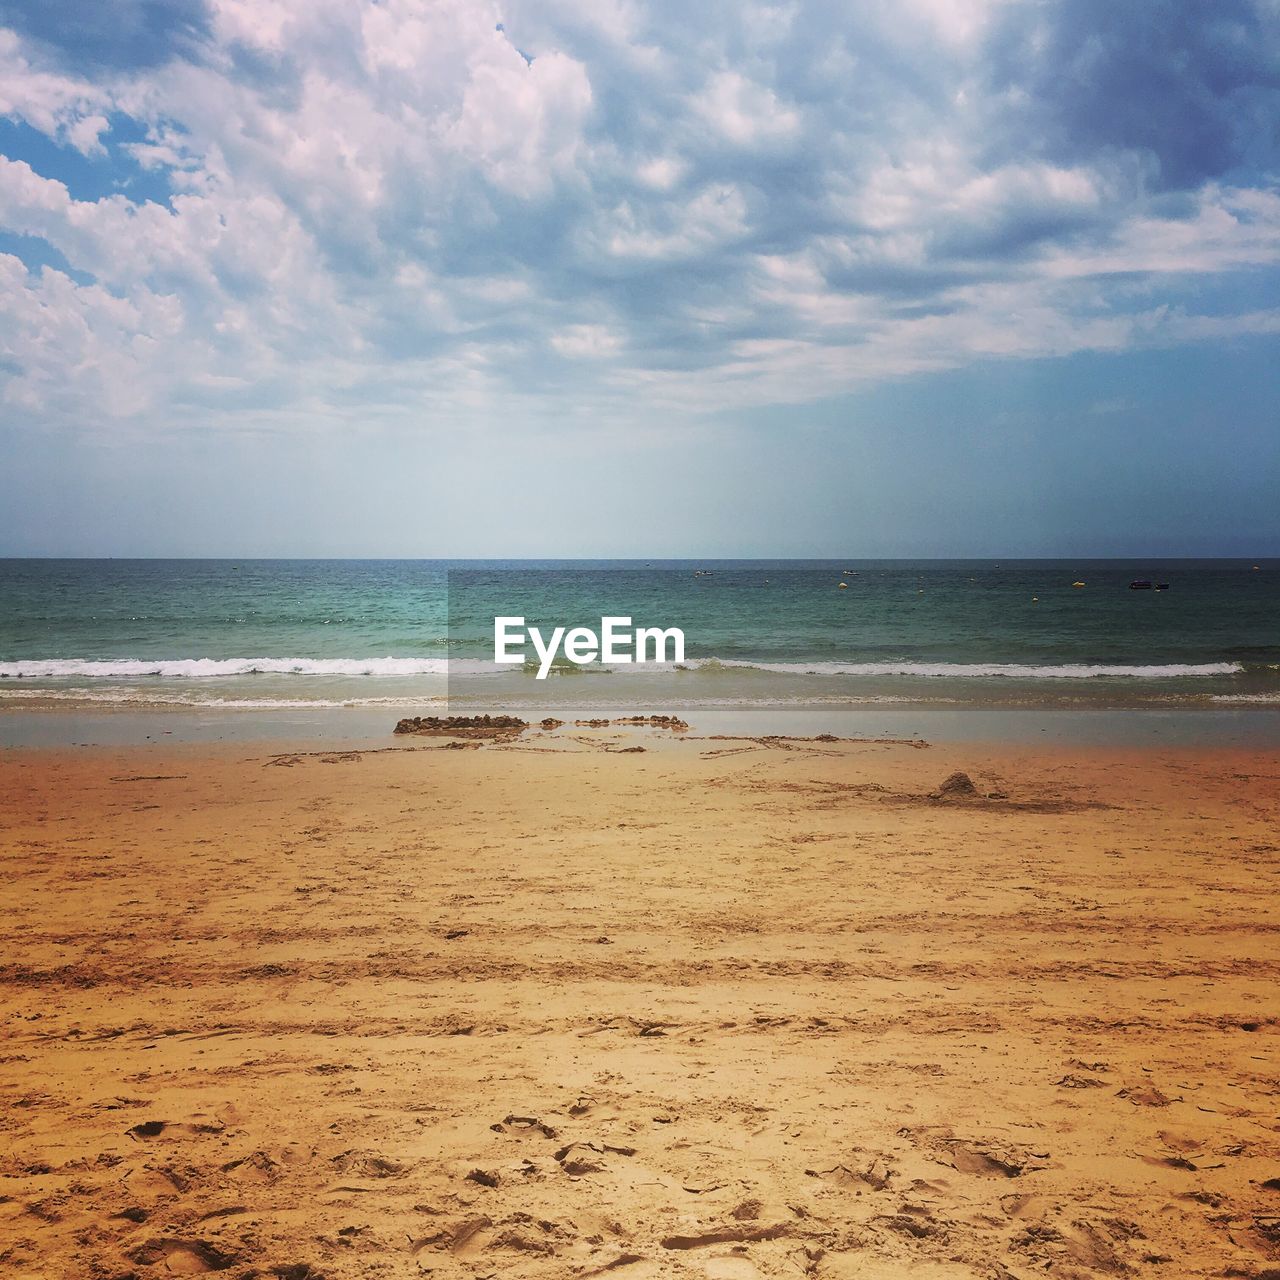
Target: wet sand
720, 1008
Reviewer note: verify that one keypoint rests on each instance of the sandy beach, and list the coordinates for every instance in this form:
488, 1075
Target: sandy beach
717, 1008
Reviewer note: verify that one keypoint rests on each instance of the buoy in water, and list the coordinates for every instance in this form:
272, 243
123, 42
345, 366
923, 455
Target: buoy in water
844, 586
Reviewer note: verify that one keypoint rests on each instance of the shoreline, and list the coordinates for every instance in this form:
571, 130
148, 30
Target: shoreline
58, 725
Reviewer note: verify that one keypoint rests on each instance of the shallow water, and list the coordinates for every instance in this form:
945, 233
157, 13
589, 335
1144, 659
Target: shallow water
401, 634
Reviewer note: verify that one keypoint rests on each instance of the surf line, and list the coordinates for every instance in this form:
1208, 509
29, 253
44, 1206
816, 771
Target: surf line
614, 643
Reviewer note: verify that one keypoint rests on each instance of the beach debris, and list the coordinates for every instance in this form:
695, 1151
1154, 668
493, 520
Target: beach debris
485, 726
648, 722
956, 786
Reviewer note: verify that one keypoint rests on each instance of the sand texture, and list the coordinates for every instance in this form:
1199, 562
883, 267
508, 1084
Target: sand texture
718, 1008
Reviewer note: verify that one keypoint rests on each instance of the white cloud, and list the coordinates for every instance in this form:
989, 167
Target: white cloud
394, 211
259, 24
589, 341
85, 134
1226, 228
661, 173
744, 113
958, 22
676, 230
55, 104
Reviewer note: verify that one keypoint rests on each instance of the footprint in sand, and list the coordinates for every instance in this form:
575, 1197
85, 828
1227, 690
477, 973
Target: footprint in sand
257, 1168
158, 1182
196, 1127
184, 1257
367, 1164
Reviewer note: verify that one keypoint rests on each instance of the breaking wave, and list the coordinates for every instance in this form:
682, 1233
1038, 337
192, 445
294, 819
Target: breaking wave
213, 668
989, 670
209, 668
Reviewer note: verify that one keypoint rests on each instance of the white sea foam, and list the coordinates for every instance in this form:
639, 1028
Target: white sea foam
212, 668
125, 696
201, 698
990, 670
209, 668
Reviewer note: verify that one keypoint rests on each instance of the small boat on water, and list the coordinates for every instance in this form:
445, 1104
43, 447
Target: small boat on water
1140, 584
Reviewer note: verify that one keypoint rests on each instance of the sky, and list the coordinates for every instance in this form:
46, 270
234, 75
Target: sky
634, 277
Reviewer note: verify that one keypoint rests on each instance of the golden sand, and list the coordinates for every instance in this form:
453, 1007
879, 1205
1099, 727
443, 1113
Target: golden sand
716, 1009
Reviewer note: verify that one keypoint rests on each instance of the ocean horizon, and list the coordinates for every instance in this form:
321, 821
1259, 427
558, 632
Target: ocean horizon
271, 634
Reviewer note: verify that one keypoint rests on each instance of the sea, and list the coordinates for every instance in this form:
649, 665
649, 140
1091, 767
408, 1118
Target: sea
416, 636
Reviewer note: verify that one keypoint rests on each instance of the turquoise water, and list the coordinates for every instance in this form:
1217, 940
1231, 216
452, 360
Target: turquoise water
410, 633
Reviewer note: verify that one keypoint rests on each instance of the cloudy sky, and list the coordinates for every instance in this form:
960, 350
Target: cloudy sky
609, 277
